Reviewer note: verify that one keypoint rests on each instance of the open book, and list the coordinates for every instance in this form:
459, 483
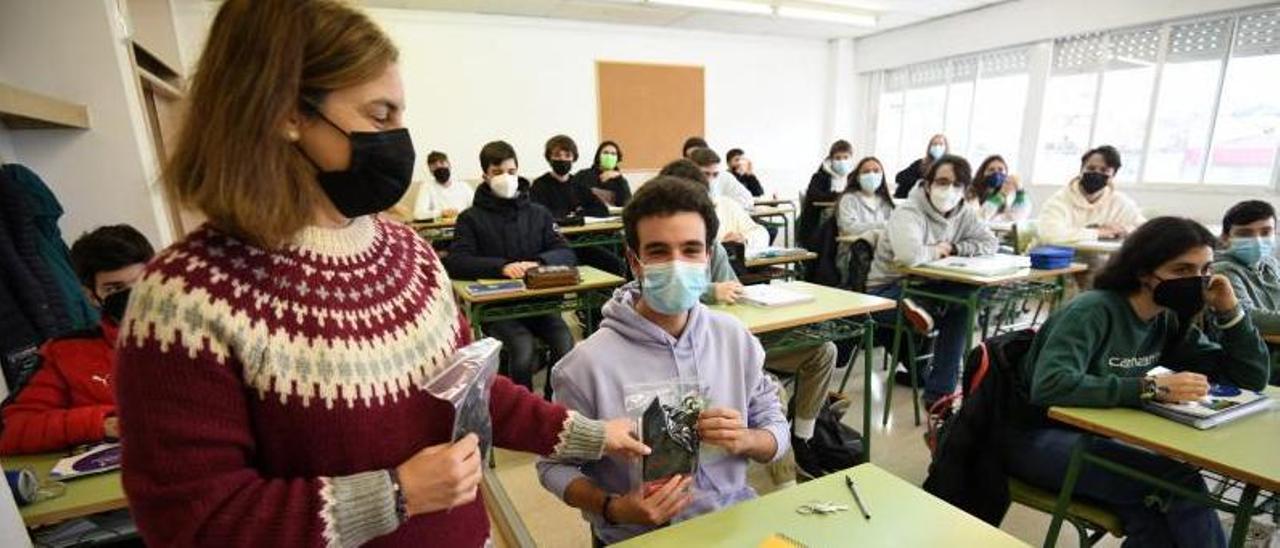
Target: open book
773, 296
987, 265
1223, 404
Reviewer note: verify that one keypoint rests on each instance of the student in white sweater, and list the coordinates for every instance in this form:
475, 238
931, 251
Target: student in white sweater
724, 186
1090, 207
443, 197
862, 210
736, 225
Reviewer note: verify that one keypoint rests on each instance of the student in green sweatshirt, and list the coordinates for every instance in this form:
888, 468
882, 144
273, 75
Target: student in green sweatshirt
1097, 351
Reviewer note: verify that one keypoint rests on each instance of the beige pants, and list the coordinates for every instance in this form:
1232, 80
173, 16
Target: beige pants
812, 368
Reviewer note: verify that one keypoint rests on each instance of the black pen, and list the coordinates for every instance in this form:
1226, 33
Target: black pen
854, 489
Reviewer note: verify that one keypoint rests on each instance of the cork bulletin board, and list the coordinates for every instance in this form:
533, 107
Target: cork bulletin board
649, 110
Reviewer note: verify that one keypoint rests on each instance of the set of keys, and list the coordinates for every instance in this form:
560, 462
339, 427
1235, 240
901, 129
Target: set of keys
821, 508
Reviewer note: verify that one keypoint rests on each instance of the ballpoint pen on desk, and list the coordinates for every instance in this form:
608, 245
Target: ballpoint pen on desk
854, 489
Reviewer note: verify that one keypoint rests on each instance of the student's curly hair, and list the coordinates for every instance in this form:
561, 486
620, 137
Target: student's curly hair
665, 196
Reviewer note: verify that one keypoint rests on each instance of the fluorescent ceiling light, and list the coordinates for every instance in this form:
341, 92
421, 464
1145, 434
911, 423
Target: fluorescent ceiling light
735, 6
827, 16
859, 4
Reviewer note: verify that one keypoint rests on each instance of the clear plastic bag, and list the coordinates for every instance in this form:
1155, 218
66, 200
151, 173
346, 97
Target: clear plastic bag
666, 415
466, 383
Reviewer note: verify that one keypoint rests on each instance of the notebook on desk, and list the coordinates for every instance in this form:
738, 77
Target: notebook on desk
772, 252
495, 287
103, 458
988, 265
770, 296
1224, 403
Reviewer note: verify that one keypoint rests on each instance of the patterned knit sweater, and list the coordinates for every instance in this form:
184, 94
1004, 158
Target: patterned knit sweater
263, 394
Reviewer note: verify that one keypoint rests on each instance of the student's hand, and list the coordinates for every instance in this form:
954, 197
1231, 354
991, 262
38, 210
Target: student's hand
1011, 185
620, 440
1220, 296
449, 213
653, 504
442, 476
517, 270
1181, 387
945, 249
724, 427
728, 292
734, 237
1109, 232
611, 174
748, 168
111, 428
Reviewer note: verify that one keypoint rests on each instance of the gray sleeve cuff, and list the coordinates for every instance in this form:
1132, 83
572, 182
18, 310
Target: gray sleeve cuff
581, 439
358, 508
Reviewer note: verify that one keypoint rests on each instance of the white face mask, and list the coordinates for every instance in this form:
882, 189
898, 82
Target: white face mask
870, 181
945, 200
936, 151
842, 167
504, 186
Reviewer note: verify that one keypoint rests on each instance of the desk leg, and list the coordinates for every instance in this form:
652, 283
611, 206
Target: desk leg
1244, 514
868, 340
1068, 487
895, 349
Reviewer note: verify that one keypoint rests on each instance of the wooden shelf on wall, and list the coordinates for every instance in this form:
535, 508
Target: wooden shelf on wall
22, 109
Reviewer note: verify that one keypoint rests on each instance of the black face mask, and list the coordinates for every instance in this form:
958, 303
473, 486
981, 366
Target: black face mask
561, 167
1184, 296
114, 304
441, 174
1092, 182
378, 175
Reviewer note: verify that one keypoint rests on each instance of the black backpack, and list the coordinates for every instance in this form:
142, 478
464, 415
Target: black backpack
834, 444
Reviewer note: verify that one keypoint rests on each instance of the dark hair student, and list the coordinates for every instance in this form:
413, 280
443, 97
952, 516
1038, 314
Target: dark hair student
665, 196
1156, 242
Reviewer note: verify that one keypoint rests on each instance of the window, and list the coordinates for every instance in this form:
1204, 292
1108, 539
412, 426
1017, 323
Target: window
889, 118
1247, 129
998, 105
1191, 101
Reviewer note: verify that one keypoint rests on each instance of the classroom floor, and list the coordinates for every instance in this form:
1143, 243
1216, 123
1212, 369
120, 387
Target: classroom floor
899, 448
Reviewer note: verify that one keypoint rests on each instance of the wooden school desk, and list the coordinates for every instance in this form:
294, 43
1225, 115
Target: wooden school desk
588, 295
773, 202
1247, 450
901, 515
438, 230
1098, 247
791, 262
914, 285
85, 496
781, 210
832, 315
605, 235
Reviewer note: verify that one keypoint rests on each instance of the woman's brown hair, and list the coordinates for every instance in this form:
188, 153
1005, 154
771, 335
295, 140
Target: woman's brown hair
263, 63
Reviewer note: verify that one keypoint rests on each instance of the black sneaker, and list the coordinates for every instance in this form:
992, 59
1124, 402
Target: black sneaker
807, 466
902, 378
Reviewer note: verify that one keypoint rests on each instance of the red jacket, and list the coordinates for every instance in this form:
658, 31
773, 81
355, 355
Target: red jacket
69, 397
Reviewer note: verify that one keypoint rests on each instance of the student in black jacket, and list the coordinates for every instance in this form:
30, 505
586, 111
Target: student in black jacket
604, 177
827, 183
906, 179
567, 196
740, 167
503, 235
560, 192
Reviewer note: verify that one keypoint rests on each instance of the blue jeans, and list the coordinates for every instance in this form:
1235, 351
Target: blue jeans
950, 321
1040, 457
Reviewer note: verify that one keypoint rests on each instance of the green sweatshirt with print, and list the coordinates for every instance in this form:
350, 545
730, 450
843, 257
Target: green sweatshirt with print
1094, 351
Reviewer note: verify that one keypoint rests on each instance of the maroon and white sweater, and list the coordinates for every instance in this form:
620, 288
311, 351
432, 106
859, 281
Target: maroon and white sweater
263, 394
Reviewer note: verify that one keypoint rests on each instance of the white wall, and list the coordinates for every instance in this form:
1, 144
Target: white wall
7, 153
1027, 21
73, 50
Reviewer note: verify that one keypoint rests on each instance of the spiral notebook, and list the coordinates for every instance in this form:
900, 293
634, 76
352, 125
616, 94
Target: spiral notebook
1224, 403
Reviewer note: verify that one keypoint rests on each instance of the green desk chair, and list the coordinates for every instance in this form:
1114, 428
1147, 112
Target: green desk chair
1091, 522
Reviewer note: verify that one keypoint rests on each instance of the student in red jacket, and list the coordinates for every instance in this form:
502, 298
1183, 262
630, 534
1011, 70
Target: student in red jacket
71, 399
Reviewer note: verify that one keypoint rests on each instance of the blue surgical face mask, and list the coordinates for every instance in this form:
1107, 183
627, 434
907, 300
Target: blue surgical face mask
996, 180
1252, 250
673, 287
870, 181
936, 151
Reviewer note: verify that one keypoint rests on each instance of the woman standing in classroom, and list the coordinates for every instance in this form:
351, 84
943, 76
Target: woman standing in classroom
272, 363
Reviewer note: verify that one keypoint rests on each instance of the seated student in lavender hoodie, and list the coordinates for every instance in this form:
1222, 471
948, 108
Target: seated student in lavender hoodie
653, 331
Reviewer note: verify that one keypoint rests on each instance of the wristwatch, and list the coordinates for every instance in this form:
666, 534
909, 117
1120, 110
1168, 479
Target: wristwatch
1149, 388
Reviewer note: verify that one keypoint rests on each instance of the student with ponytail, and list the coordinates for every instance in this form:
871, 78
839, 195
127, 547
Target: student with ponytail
271, 364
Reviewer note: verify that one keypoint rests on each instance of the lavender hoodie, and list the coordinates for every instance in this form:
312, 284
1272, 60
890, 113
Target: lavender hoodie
714, 348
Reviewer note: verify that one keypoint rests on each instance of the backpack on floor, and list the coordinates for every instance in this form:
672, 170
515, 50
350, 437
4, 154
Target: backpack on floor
835, 446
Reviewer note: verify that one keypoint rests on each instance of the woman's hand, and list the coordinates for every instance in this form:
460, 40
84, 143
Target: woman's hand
620, 441
1181, 387
1220, 296
1011, 185
442, 476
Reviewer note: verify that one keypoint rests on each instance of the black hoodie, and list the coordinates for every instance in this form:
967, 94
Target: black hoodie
571, 197
494, 232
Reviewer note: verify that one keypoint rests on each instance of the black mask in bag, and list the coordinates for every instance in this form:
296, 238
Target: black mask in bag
1092, 182
441, 174
113, 305
1184, 296
561, 167
378, 175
